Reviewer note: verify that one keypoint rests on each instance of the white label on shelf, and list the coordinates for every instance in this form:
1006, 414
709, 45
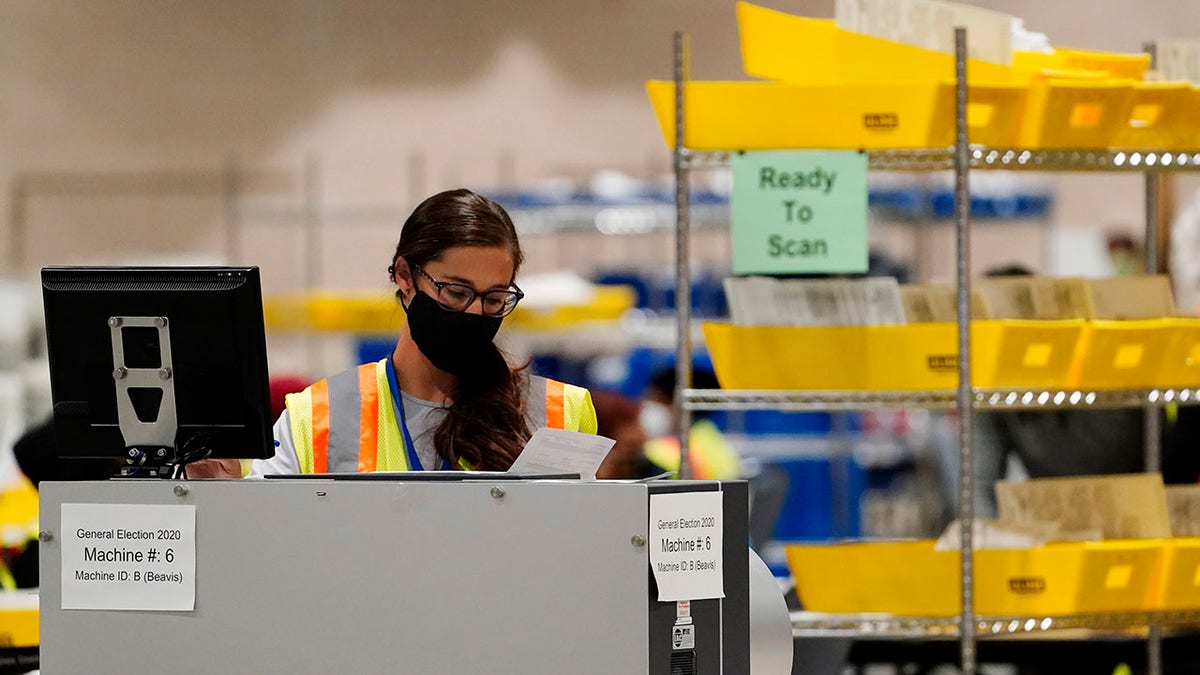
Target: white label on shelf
686, 539
129, 557
930, 24
1178, 60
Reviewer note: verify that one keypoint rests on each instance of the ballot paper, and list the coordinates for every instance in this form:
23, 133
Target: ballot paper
1179, 60
563, 451
930, 24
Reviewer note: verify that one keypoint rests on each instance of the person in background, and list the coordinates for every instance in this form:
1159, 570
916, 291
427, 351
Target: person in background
619, 418
710, 454
36, 452
446, 397
1047, 443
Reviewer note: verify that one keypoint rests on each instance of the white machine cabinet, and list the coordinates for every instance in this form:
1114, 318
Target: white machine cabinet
405, 576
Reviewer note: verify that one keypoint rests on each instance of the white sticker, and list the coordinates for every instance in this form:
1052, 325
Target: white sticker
686, 533
683, 612
683, 637
128, 557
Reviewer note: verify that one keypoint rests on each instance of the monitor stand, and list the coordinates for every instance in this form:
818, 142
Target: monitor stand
145, 387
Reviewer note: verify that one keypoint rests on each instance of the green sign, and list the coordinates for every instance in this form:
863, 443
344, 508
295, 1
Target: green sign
802, 211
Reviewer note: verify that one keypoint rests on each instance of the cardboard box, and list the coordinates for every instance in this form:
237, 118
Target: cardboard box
1129, 506
1183, 510
938, 303
1130, 297
1060, 298
1008, 297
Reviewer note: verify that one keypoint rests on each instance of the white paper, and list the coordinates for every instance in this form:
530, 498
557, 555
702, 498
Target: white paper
884, 306
128, 557
930, 24
686, 539
752, 301
562, 451
1178, 60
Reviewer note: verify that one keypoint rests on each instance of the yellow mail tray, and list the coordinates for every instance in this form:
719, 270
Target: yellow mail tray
1181, 360
789, 48
913, 357
1121, 354
1179, 581
912, 579
777, 115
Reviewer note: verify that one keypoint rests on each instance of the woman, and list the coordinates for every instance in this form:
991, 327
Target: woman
445, 398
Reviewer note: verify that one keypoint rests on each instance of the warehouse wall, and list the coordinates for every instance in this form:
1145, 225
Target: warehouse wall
390, 98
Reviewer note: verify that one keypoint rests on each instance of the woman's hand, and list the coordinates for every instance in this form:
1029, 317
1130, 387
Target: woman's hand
215, 468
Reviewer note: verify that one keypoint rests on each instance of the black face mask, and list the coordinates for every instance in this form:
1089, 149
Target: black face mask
455, 342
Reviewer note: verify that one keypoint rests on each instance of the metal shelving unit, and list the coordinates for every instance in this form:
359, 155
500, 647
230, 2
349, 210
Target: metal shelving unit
984, 399
887, 627
960, 159
1007, 159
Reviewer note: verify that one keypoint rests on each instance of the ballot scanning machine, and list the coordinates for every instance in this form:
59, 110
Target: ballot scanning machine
385, 576
468, 573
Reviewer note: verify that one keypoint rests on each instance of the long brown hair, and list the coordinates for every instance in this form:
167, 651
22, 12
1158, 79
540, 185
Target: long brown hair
486, 426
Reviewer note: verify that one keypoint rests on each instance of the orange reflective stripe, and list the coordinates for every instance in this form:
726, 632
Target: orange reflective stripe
320, 427
555, 414
701, 468
368, 426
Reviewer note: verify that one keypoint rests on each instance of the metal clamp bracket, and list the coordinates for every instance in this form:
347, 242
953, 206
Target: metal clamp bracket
157, 431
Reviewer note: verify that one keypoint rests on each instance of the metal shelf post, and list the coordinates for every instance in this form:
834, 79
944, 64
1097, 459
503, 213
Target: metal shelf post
683, 279
1153, 422
966, 399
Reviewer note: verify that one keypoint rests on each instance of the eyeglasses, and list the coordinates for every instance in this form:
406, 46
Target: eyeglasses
458, 297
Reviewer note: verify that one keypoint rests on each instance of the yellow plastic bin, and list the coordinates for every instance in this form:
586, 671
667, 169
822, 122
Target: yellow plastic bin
1120, 65
286, 311
782, 357
1191, 137
355, 312
1121, 354
789, 48
1159, 117
1181, 360
1067, 578
913, 357
912, 579
1179, 580
607, 303
1062, 113
1033, 354
775, 115
1084, 62
905, 578
916, 357
18, 624
920, 357
995, 112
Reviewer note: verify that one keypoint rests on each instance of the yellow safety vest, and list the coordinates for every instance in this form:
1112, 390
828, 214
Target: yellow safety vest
347, 423
711, 456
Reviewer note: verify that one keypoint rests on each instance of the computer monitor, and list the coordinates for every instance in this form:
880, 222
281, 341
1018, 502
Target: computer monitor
160, 365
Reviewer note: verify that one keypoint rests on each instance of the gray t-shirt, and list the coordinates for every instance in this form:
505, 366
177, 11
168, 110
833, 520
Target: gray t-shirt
422, 418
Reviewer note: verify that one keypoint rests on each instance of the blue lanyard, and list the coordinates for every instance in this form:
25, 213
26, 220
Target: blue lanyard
410, 449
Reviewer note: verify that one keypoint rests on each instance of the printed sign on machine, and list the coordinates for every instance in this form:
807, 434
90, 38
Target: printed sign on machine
686, 533
129, 557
